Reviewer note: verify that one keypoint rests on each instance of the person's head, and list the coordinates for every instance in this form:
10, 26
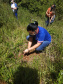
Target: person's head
53, 7
35, 22
12, 1
32, 28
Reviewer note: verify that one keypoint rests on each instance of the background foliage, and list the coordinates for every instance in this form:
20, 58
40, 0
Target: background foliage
40, 6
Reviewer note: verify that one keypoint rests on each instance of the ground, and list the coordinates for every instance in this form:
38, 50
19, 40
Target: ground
2, 82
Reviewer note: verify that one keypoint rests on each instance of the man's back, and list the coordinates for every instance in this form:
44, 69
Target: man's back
43, 34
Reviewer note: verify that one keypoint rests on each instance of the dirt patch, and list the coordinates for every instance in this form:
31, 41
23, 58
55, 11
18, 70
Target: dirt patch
29, 57
19, 55
26, 58
2, 82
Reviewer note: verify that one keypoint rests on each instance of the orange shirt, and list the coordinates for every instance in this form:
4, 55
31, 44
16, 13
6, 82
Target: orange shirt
49, 12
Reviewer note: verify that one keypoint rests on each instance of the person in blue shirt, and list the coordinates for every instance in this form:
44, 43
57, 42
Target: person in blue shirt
14, 8
39, 35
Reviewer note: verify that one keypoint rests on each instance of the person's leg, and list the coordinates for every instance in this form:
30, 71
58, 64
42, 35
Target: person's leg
28, 37
16, 15
43, 45
47, 22
51, 21
34, 41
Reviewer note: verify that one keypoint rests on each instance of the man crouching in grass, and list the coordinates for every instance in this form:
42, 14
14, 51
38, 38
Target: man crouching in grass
39, 35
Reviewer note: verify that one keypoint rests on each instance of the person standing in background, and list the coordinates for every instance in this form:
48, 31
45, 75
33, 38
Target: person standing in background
14, 8
50, 14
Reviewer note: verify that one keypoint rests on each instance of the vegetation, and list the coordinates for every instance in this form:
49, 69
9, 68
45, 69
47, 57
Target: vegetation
46, 67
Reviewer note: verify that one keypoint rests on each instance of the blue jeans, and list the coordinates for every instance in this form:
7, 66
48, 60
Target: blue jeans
47, 21
43, 44
16, 15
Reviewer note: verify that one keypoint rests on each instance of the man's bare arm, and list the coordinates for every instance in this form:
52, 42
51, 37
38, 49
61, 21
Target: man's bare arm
30, 42
34, 47
47, 13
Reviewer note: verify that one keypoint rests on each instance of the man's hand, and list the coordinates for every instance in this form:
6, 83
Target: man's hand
26, 51
49, 20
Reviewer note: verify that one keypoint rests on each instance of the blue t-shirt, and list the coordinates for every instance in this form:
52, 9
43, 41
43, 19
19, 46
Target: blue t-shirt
16, 5
42, 35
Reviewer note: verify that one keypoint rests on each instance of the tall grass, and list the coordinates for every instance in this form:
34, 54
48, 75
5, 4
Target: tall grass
46, 67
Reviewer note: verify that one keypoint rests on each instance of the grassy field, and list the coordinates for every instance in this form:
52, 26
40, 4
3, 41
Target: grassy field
36, 68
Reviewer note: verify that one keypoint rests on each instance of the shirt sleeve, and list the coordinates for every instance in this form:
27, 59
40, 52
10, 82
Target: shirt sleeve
15, 5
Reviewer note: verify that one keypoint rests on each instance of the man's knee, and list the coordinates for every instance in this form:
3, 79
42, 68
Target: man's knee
27, 37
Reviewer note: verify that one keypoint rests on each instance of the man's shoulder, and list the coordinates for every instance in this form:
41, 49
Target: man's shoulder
49, 8
15, 3
40, 27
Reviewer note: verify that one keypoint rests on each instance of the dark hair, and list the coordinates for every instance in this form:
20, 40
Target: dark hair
53, 7
32, 27
35, 22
